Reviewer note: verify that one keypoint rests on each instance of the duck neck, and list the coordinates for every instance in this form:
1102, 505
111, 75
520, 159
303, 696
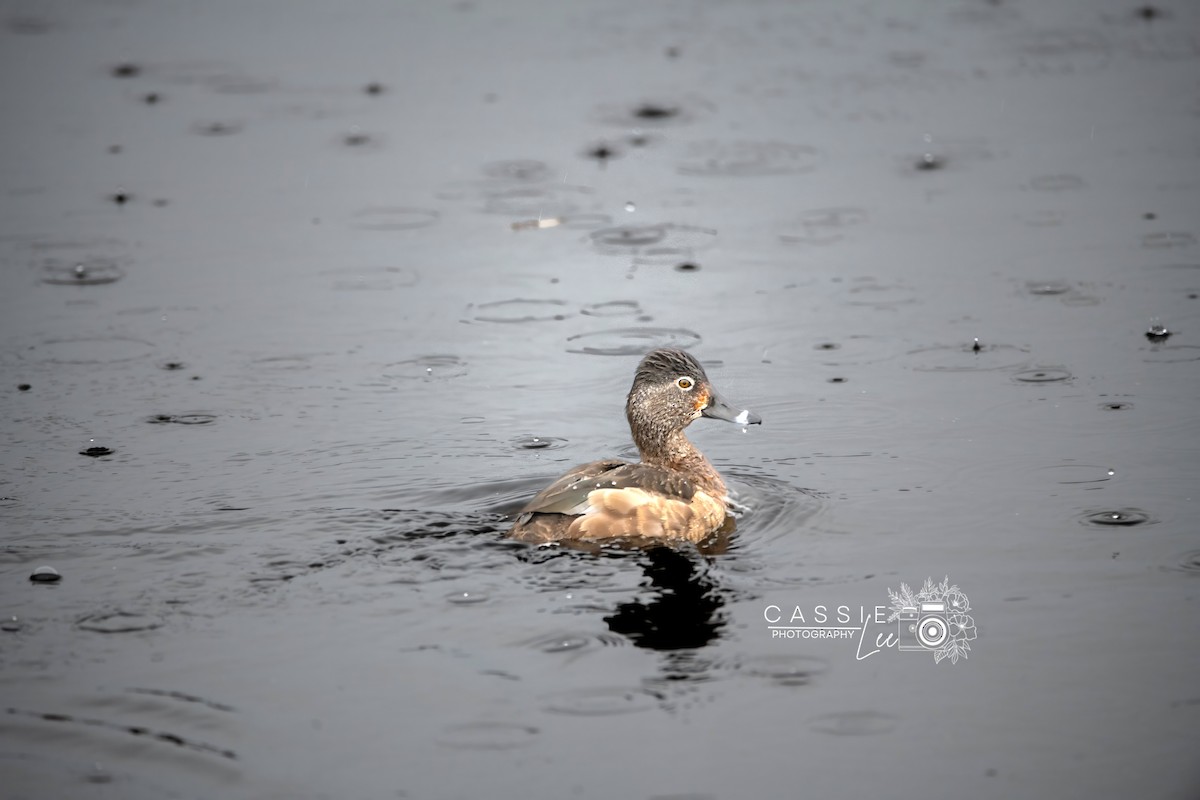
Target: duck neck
675, 452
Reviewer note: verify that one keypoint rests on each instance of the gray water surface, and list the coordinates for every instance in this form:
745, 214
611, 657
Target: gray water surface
301, 300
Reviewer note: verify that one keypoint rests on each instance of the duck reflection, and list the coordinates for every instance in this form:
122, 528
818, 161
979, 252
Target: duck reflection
684, 611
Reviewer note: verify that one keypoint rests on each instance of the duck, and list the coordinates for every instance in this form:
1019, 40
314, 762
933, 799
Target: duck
673, 493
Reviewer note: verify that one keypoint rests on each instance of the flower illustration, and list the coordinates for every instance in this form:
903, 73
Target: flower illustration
957, 601
962, 627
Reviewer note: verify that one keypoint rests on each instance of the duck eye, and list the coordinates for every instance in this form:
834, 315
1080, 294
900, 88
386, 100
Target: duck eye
685, 383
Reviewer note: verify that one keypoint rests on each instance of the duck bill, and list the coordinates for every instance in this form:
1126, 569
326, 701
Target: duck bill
719, 409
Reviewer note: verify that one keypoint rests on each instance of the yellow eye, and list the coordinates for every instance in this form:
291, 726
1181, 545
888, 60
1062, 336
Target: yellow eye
685, 383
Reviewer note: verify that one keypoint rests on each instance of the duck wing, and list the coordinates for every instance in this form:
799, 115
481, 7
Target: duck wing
569, 494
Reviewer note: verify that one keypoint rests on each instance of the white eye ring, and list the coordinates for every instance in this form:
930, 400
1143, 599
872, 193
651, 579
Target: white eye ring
685, 383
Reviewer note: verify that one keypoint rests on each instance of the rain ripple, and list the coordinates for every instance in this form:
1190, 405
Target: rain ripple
602, 701
854, 723
521, 310
974, 357
748, 158
631, 341
488, 736
1116, 517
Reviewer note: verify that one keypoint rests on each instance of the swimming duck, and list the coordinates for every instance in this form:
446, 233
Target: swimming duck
673, 493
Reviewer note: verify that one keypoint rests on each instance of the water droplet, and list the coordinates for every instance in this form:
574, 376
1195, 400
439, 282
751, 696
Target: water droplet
929, 162
1047, 287
1119, 517
976, 347
95, 450
86, 271
1042, 375
538, 442
423, 368
563, 644
653, 113
11, 625
1077, 474
356, 139
45, 575
687, 266
23, 387
126, 70
195, 418
1112, 472
467, 598
630, 206
601, 152
1158, 333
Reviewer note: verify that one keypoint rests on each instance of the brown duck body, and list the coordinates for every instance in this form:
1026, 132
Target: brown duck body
674, 493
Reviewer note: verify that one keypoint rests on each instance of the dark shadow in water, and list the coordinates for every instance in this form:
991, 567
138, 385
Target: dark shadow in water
684, 612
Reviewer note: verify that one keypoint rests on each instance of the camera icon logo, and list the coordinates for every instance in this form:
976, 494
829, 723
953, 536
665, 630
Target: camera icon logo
935, 619
924, 628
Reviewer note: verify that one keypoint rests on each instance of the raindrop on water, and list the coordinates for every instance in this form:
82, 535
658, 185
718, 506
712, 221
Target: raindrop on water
45, 575
467, 598
563, 644
95, 450
1158, 333
630, 206
1042, 375
1119, 517
929, 160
